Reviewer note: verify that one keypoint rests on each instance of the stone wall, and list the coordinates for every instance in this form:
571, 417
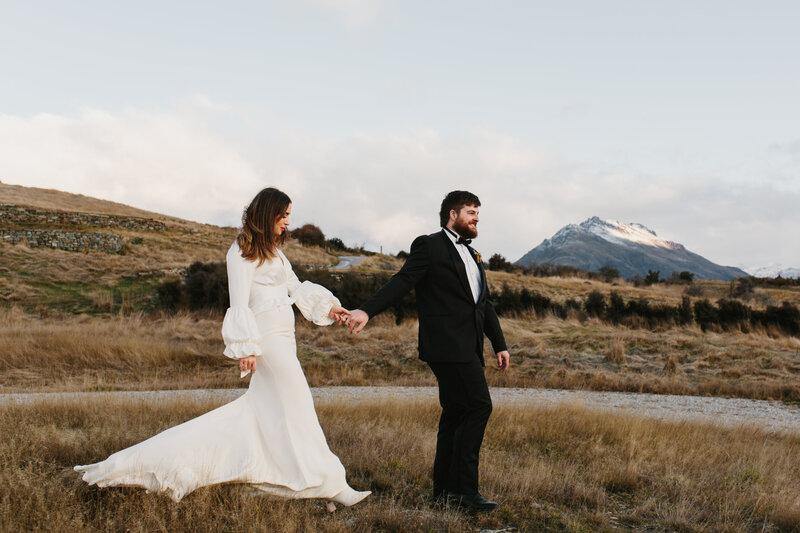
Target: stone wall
18, 215
73, 241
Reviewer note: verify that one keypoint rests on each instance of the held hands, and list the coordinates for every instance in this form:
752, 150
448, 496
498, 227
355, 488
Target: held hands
339, 314
503, 359
358, 319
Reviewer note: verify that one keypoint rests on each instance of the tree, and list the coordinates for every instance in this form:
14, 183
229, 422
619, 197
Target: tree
309, 235
651, 277
609, 273
498, 262
336, 243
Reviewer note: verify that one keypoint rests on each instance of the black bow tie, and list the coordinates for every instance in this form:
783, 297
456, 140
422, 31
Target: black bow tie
462, 240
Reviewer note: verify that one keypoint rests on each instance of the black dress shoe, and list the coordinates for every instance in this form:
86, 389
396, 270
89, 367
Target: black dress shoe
474, 502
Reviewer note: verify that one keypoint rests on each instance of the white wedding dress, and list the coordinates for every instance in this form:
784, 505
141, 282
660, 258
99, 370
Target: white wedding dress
269, 437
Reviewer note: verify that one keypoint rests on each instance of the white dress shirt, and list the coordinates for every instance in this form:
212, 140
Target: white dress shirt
473, 273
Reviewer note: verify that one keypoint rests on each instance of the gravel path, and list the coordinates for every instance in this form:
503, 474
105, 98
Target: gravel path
772, 416
347, 261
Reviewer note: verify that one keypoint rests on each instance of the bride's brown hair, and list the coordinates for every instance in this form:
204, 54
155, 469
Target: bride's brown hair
257, 239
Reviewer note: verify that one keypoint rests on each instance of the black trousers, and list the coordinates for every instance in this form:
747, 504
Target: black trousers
466, 406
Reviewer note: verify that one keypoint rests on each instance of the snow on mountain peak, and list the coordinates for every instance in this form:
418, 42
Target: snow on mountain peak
773, 271
620, 233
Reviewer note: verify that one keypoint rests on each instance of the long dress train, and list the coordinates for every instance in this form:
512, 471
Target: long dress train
269, 437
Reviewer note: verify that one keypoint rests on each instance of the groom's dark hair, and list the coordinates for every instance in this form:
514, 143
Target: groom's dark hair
455, 200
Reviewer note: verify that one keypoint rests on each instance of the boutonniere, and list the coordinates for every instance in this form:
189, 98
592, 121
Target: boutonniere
478, 256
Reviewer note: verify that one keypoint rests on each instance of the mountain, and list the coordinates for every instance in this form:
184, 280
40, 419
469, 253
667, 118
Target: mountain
632, 249
773, 271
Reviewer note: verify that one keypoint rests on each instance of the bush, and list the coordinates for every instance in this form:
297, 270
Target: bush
705, 314
206, 286
685, 314
616, 308
742, 288
169, 295
651, 277
498, 262
732, 313
595, 304
309, 235
336, 244
608, 273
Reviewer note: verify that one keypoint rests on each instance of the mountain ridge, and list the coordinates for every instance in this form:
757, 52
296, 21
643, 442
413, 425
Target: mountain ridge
633, 249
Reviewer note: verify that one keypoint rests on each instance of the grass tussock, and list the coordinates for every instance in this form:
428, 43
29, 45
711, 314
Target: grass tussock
557, 469
616, 351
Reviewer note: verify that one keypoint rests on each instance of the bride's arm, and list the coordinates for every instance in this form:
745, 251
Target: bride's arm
315, 302
239, 328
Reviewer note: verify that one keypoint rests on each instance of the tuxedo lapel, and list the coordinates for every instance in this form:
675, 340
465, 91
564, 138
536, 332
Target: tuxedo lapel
458, 264
484, 287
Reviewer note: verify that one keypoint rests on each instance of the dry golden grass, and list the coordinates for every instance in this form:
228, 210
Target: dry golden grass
555, 469
64, 201
562, 289
137, 351
37, 278
41, 278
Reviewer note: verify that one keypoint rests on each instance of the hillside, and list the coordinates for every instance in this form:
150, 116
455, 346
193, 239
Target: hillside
121, 275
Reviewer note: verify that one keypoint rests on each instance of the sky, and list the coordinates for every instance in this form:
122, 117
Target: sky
682, 116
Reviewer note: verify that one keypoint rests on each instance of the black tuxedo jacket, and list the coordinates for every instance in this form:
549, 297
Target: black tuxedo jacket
451, 323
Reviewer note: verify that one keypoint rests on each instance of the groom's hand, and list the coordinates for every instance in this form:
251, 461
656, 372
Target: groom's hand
358, 319
339, 314
503, 359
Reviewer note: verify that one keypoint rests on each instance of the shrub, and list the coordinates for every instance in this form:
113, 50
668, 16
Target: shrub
742, 288
685, 314
616, 308
169, 295
206, 286
608, 273
705, 314
694, 290
336, 244
309, 235
732, 313
595, 304
651, 277
498, 262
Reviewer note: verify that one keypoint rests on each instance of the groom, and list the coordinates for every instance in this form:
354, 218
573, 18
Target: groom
454, 314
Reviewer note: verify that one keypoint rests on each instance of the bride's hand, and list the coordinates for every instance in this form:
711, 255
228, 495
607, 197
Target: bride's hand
247, 363
339, 314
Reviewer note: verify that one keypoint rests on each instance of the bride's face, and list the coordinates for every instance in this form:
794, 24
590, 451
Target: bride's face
282, 222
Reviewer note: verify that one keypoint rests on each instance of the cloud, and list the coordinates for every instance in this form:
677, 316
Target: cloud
381, 190
352, 13
159, 161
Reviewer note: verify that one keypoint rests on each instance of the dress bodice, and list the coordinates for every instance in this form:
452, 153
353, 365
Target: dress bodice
255, 288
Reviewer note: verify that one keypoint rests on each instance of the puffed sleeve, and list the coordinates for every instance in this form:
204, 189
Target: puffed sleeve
314, 301
239, 328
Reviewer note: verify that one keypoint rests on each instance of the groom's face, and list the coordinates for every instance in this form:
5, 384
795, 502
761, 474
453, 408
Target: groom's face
466, 222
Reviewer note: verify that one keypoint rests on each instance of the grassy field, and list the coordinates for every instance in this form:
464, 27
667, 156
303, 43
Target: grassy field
88, 321
139, 351
557, 469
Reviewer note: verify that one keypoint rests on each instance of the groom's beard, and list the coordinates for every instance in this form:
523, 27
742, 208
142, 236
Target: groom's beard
463, 229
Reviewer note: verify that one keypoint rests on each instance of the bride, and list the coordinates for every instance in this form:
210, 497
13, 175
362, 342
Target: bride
270, 436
